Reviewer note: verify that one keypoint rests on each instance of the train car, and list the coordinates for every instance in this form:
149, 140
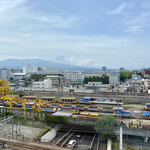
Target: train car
147, 106
106, 109
49, 108
68, 109
115, 110
94, 114
84, 113
146, 115
80, 107
67, 100
18, 103
13, 96
30, 98
85, 100
30, 106
122, 113
1, 102
95, 109
48, 99
54, 106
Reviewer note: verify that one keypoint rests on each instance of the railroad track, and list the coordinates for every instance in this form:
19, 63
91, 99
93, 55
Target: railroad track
95, 94
27, 146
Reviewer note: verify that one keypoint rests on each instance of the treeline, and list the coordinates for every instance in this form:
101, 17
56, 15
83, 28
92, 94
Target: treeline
37, 77
103, 79
128, 75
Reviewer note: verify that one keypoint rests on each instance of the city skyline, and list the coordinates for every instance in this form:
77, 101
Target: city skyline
84, 33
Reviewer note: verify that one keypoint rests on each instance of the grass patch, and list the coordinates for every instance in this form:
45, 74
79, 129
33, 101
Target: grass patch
44, 132
131, 148
56, 119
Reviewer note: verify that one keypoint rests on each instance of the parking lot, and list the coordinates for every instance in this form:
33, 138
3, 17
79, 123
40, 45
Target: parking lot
85, 138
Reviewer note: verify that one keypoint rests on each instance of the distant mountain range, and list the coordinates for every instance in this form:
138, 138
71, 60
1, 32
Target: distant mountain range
19, 63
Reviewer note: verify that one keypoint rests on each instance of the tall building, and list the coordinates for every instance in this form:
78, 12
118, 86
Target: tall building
104, 69
121, 69
5, 73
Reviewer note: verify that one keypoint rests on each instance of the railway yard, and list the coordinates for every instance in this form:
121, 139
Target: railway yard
81, 113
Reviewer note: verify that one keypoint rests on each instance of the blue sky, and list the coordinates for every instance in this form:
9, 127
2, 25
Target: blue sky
95, 33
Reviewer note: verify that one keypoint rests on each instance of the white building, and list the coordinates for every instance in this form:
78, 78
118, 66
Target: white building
47, 83
114, 79
40, 70
48, 70
97, 86
4, 73
30, 69
18, 76
90, 74
73, 76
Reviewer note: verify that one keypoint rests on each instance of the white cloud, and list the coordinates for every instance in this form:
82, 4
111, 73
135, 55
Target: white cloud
12, 11
118, 10
134, 29
80, 61
6, 5
28, 35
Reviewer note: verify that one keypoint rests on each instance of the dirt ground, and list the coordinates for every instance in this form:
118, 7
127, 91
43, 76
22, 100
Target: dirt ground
19, 132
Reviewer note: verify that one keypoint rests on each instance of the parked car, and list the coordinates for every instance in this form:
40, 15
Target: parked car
72, 143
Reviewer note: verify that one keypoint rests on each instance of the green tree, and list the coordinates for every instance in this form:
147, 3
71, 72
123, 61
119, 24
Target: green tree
103, 79
105, 126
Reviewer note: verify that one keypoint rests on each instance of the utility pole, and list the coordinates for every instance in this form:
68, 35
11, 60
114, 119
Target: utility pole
118, 104
121, 138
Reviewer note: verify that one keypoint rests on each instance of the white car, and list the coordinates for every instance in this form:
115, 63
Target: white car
72, 143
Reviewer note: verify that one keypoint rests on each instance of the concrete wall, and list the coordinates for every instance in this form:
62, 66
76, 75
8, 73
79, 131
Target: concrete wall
48, 136
135, 132
82, 121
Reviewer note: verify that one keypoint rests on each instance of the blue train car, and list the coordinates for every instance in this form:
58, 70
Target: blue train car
48, 99
146, 114
67, 100
121, 112
30, 106
147, 106
116, 110
1, 102
86, 100
126, 113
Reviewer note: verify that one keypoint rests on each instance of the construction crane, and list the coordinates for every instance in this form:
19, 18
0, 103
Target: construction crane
4, 87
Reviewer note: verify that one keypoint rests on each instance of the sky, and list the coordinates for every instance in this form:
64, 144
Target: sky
92, 33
